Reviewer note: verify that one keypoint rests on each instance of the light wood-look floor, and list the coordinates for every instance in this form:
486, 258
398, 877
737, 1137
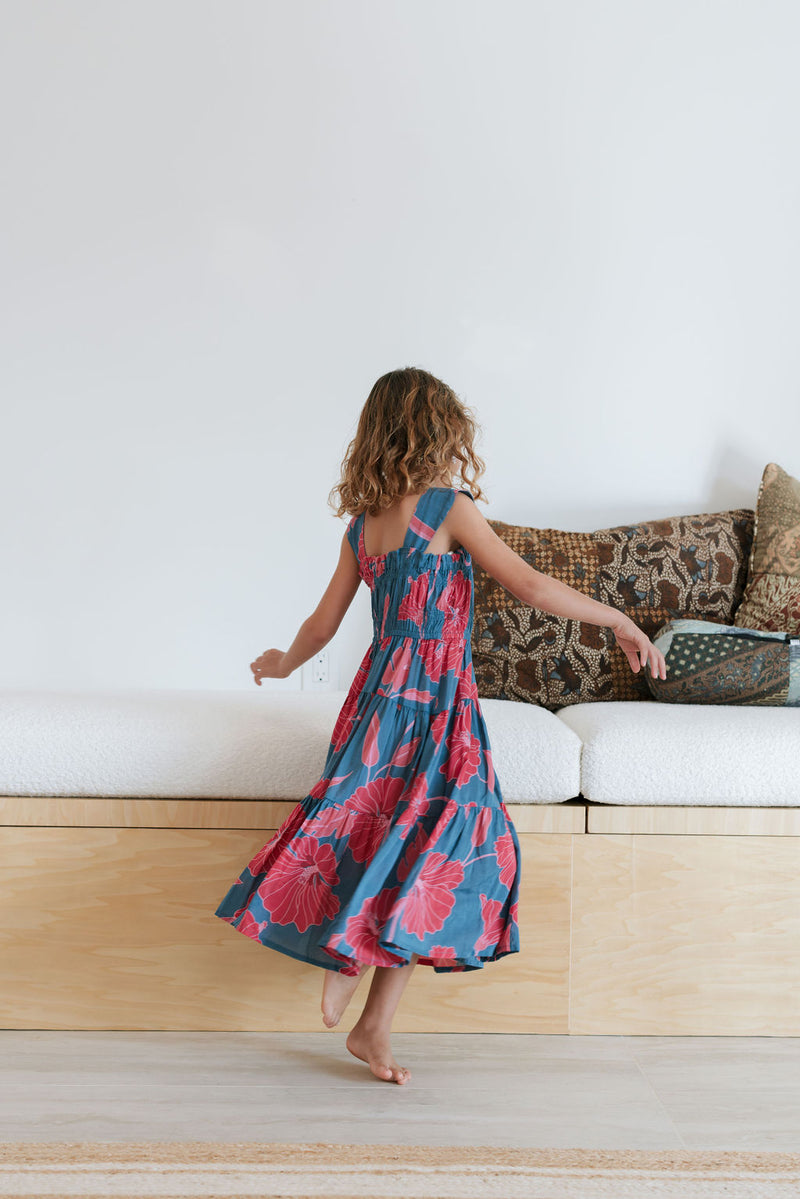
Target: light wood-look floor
645, 1092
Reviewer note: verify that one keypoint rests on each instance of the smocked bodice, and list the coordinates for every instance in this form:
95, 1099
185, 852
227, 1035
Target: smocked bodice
414, 593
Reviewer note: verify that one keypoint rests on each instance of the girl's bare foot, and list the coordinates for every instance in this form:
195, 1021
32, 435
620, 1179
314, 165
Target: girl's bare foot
337, 991
373, 1047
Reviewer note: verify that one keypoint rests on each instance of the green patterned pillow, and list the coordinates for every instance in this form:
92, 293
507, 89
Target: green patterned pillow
711, 663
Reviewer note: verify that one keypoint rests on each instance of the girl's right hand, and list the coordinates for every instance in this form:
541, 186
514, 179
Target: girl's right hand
269, 666
635, 644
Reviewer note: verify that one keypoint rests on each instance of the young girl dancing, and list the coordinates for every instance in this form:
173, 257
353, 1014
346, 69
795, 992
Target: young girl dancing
404, 852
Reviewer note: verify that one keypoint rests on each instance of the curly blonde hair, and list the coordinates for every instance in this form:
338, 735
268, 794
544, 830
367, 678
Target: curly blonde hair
412, 429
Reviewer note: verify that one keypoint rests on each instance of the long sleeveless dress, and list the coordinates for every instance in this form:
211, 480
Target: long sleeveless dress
404, 846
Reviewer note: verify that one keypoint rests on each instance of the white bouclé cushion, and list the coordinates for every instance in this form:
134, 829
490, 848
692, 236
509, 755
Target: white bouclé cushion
533, 760
170, 744
233, 744
635, 752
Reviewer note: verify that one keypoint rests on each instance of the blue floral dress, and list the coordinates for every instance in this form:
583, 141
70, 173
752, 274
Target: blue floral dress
404, 846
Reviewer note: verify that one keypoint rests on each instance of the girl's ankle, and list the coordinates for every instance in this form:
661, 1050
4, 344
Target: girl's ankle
372, 1027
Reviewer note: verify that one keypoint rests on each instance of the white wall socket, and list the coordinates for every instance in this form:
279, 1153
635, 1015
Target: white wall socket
317, 673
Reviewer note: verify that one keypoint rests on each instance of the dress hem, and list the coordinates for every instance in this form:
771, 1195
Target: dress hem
389, 946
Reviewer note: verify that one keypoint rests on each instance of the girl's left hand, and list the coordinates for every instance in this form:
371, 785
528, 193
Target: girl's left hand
636, 645
269, 666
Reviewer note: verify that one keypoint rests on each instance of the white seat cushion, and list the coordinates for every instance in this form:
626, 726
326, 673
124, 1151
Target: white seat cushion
533, 760
233, 744
640, 752
172, 744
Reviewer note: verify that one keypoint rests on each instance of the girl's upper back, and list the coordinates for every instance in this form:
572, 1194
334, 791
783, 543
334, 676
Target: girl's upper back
416, 592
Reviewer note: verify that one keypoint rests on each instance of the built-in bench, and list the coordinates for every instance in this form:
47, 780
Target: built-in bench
125, 816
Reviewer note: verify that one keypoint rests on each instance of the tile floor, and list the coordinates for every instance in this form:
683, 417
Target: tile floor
489, 1089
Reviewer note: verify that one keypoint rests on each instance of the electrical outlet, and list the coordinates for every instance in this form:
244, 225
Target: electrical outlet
316, 672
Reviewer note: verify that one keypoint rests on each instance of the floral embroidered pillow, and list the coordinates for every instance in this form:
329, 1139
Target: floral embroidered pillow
681, 566
772, 596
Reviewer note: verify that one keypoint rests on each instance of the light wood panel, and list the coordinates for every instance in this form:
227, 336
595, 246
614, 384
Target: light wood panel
695, 931
135, 812
693, 821
110, 928
685, 935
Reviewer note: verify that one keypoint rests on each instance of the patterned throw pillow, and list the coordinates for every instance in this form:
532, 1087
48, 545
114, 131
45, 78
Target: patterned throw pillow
710, 663
657, 570
772, 595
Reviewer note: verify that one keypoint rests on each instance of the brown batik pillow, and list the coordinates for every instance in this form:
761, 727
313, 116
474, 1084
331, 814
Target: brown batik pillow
772, 596
682, 566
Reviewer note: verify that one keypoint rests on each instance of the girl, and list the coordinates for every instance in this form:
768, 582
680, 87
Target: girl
404, 852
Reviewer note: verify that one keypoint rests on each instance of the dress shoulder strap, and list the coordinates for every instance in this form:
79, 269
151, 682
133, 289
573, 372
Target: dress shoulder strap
432, 507
354, 534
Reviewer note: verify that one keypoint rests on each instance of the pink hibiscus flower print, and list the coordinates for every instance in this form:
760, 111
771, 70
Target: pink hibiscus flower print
493, 924
344, 721
480, 829
442, 955
430, 901
513, 917
506, 858
299, 887
406, 752
438, 726
397, 668
363, 931
370, 754
464, 751
439, 657
467, 687
454, 602
367, 814
273, 847
412, 605
418, 804
487, 753
250, 926
425, 839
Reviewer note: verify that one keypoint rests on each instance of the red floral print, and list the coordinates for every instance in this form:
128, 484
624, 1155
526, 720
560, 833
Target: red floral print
299, 886
425, 839
506, 859
412, 605
465, 751
504, 944
493, 922
282, 837
367, 814
397, 669
467, 688
480, 829
431, 898
455, 602
365, 929
406, 752
418, 804
487, 753
405, 837
439, 657
438, 726
344, 721
251, 927
369, 749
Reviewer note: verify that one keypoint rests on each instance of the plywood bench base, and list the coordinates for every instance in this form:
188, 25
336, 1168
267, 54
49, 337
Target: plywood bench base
106, 922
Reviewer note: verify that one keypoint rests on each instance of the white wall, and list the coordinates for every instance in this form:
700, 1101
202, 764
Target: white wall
221, 222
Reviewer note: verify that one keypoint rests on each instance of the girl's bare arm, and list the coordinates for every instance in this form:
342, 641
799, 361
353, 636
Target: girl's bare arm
470, 527
318, 628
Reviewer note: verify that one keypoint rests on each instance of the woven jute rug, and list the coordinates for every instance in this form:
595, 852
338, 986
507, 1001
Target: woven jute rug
203, 1170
